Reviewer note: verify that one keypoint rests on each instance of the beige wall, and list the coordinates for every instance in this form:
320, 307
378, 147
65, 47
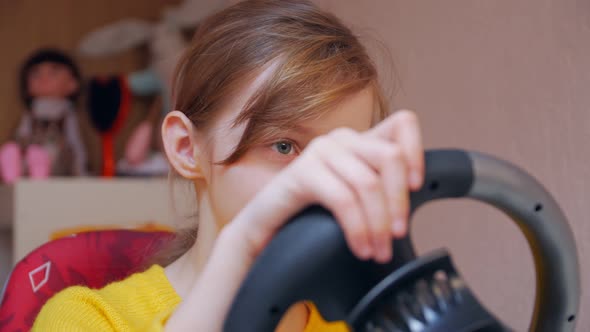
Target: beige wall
506, 77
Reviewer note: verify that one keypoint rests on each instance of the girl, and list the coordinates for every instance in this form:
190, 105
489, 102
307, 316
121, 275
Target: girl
275, 103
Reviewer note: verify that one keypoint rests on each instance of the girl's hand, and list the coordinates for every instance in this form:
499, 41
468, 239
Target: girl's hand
362, 178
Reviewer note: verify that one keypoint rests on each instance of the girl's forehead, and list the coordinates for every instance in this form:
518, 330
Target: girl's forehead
355, 111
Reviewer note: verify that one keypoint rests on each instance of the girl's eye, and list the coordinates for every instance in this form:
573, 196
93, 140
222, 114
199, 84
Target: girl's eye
284, 147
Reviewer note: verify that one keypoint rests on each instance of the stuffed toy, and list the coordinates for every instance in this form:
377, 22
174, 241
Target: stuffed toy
166, 43
47, 141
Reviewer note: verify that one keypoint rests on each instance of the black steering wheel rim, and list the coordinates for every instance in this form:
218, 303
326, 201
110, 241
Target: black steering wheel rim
277, 278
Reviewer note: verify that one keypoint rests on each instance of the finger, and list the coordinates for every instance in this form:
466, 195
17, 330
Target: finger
330, 191
394, 174
403, 127
388, 160
368, 187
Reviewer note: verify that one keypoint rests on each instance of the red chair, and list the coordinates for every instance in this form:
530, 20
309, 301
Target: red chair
92, 259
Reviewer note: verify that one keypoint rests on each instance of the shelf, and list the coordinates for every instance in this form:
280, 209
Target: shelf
42, 208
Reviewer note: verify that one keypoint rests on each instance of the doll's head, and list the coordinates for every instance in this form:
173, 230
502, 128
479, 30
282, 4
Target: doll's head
49, 73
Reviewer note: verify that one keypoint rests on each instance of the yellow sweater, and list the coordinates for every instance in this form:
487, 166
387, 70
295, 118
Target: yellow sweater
142, 302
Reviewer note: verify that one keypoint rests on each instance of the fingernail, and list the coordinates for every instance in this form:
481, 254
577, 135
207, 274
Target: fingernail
384, 254
415, 179
399, 227
365, 251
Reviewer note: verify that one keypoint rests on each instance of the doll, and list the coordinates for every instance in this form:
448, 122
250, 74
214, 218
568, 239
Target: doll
48, 140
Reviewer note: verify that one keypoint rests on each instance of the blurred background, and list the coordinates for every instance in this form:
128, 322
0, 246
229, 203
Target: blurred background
504, 77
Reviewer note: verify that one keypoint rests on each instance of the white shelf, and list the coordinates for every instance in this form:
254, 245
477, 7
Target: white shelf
44, 207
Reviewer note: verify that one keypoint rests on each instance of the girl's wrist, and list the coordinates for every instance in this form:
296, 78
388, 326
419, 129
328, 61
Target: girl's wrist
233, 241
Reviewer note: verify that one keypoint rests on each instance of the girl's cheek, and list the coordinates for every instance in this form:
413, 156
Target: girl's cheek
235, 186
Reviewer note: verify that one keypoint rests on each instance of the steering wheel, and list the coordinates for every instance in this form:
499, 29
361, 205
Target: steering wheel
309, 259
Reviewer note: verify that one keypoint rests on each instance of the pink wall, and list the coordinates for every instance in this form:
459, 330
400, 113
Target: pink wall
509, 78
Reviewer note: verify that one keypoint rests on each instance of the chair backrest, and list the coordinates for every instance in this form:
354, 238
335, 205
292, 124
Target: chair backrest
92, 259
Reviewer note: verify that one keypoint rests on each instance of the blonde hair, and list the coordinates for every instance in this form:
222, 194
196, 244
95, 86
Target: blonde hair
317, 62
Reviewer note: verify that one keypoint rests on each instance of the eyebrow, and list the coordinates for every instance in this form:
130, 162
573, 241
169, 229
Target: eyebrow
303, 134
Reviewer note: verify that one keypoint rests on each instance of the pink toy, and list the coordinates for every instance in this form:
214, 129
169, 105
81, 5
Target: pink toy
10, 162
139, 143
38, 161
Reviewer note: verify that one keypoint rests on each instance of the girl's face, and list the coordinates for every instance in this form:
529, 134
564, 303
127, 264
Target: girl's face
230, 187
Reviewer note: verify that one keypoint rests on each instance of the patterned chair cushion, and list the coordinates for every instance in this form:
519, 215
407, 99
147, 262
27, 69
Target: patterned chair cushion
92, 259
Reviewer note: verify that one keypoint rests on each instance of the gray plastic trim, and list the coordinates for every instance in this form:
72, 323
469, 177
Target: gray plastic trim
545, 226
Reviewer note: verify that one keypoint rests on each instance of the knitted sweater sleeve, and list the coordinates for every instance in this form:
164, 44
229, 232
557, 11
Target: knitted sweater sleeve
142, 302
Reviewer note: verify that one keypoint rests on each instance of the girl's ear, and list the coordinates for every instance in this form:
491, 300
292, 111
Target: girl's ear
182, 146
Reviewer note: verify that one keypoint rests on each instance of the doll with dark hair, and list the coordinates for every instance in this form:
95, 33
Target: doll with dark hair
48, 140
